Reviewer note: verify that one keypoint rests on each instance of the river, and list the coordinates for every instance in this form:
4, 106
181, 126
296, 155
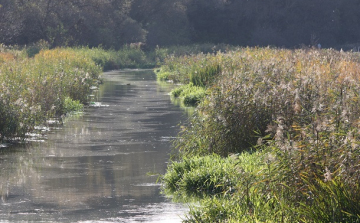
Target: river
97, 167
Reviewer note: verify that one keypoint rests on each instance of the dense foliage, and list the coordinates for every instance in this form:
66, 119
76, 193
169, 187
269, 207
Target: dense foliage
299, 110
113, 23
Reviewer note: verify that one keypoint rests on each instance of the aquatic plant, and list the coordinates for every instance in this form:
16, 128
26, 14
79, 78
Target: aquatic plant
199, 69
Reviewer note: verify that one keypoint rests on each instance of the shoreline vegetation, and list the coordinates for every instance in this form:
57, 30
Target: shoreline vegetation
38, 83
274, 138
45, 85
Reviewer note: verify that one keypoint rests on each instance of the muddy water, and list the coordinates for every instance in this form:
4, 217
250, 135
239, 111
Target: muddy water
95, 167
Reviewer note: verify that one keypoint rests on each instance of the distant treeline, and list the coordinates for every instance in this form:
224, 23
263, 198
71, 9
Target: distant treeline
114, 23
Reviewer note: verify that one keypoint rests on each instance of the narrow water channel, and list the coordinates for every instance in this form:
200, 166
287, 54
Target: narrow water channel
95, 168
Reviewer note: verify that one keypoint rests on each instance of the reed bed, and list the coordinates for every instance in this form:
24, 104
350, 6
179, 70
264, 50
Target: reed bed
34, 89
300, 110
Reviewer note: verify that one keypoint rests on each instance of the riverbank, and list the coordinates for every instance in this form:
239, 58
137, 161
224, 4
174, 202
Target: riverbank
95, 167
274, 139
34, 89
38, 83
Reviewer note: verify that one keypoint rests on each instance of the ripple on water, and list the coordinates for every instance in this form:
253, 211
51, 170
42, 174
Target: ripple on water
159, 213
98, 104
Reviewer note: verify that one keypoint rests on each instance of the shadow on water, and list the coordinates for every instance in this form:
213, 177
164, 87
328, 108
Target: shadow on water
95, 167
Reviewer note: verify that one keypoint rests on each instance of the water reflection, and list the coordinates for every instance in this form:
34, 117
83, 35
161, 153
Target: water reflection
95, 167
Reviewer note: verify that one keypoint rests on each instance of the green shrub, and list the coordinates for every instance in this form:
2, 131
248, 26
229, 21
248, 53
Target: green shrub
205, 74
163, 75
232, 189
259, 187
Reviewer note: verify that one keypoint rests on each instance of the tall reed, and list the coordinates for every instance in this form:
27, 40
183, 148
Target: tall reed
299, 107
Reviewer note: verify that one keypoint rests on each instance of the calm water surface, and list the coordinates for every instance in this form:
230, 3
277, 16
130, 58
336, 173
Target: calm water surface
95, 168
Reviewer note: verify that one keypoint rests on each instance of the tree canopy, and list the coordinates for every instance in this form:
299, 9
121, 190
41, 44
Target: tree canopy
113, 23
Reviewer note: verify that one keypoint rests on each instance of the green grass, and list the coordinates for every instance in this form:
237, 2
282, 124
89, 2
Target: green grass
250, 188
232, 189
200, 176
189, 94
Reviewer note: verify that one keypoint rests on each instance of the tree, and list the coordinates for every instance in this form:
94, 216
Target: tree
71, 22
165, 21
113, 23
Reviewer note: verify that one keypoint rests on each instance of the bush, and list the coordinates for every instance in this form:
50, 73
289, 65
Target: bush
126, 57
